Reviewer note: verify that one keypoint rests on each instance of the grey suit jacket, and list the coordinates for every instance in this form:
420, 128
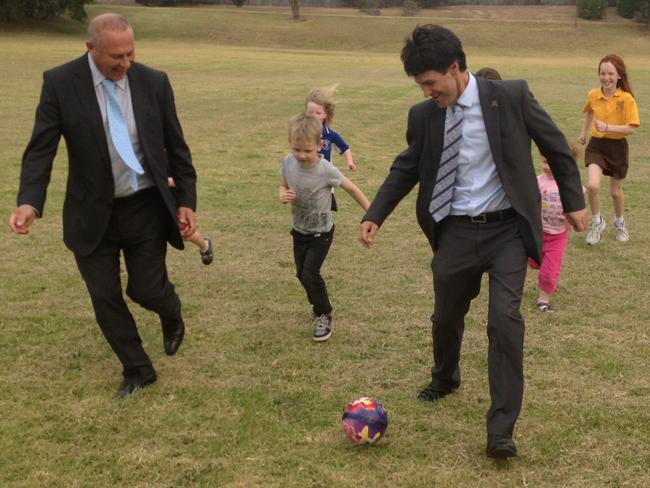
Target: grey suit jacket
68, 107
512, 119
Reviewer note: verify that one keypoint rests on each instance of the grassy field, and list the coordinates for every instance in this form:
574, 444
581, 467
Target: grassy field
250, 400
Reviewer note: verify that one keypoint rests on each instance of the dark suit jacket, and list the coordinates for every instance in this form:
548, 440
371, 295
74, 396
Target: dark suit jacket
512, 118
68, 107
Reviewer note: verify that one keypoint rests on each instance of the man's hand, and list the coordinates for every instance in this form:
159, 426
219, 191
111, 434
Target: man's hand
367, 233
186, 222
577, 219
21, 219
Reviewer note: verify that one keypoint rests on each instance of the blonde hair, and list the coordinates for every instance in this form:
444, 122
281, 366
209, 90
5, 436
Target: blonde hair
325, 98
305, 127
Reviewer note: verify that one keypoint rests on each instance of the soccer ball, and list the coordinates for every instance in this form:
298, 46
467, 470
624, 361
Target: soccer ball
364, 421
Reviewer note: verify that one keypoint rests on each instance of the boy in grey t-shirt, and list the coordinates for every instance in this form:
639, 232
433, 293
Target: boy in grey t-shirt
306, 182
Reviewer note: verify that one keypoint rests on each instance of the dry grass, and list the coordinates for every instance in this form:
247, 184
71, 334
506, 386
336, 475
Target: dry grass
250, 400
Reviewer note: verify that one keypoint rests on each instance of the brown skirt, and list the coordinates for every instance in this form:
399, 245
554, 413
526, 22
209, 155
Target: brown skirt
610, 154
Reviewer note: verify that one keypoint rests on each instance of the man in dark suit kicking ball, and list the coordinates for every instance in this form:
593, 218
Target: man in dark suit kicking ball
469, 149
123, 139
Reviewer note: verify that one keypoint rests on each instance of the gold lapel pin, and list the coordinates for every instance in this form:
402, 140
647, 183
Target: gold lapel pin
494, 104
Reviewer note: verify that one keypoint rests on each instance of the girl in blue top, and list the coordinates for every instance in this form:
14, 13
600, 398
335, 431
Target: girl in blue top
320, 103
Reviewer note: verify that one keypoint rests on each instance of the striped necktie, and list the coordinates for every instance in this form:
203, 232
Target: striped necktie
120, 134
444, 187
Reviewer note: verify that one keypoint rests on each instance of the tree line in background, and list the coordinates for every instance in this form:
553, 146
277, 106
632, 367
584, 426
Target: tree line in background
13, 10
629, 9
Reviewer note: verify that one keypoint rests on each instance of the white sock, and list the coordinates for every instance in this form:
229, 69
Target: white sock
595, 219
619, 221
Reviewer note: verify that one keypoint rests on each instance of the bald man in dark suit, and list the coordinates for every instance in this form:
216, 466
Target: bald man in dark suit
115, 202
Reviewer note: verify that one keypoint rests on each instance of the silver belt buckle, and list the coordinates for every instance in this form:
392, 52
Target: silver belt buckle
479, 219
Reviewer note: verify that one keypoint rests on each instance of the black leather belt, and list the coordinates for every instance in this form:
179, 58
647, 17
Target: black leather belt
146, 192
487, 217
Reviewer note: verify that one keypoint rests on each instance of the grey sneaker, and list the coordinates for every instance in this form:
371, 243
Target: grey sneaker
595, 230
620, 231
322, 327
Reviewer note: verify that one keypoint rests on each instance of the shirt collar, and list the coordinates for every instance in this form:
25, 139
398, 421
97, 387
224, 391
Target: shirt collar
617, 93
470, 94
98, 77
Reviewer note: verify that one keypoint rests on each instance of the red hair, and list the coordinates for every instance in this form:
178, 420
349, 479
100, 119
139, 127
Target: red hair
623, 83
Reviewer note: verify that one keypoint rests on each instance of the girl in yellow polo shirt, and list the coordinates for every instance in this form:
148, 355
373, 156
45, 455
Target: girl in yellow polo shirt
611, 114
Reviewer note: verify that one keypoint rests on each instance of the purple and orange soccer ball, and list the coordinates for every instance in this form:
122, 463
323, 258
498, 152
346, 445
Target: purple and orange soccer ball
364, 421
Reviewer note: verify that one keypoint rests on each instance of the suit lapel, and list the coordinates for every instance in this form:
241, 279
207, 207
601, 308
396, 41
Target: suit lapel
437, 141
88, 105
490, 109
138, 96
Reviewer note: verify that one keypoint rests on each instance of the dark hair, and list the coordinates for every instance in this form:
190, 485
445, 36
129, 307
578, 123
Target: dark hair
432, 47
623, 83
488, 73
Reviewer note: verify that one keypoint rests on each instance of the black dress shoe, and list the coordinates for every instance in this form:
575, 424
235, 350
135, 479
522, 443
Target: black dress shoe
430, 394
500, 447
173, 334
128, 387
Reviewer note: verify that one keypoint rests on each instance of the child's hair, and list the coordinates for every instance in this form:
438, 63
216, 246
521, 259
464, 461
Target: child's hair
488, 73
305, 127
325, 98
623, 83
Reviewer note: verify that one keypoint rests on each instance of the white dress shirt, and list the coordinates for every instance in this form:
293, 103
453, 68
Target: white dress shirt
477, 187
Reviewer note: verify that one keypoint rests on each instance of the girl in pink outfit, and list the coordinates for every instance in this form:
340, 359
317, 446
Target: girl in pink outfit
556, 235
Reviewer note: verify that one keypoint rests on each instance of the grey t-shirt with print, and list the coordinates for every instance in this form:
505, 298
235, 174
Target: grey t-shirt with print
312, 211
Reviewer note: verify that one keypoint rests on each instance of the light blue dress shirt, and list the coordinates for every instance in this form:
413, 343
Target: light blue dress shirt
477, 187
123, 95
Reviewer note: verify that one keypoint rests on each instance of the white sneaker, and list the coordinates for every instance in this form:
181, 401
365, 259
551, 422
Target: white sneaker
595, 230
620, 231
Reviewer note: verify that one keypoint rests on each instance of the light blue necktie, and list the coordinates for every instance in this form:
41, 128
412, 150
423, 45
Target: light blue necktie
120, 134
444, 187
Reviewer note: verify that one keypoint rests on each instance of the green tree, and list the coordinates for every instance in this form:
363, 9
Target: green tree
628, 8
11, 10
591, 9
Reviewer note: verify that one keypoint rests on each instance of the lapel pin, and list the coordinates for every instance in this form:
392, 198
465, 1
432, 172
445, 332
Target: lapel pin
494, 104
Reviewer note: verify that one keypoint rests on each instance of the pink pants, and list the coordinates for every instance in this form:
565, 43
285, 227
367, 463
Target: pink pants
553, 247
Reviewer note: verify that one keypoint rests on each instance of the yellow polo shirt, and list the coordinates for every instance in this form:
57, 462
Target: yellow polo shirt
620, 109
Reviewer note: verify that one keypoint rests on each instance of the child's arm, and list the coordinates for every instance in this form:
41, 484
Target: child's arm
349, 160
602, 126
286, 194
355, 193
582, 138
